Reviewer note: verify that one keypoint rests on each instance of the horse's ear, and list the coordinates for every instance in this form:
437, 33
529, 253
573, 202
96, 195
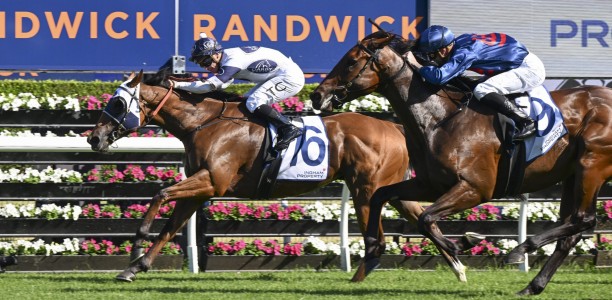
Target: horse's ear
131, 76
135, 81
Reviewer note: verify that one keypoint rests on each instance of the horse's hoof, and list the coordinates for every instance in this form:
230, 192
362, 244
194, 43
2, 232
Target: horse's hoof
472, 239
365, 268
514, 258
525, 292
359, 274
459, 270
126, 276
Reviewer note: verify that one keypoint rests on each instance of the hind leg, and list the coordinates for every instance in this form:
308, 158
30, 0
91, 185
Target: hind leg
578, 216
577, 212
537, 285
190, 194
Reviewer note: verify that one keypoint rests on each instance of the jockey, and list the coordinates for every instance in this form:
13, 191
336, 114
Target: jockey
276, 77
509, 67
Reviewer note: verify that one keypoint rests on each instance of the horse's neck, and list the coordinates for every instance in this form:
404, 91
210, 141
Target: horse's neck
421, 105
183, 116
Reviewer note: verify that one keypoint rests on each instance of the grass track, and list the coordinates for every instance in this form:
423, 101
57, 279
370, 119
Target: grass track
569, 283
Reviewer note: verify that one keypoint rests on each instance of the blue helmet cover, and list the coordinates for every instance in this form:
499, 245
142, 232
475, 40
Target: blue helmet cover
204, 47
434, 38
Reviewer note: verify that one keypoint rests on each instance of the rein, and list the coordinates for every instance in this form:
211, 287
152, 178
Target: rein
149, 117
373, 57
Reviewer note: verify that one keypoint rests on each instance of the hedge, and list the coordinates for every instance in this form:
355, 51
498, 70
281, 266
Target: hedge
40, 88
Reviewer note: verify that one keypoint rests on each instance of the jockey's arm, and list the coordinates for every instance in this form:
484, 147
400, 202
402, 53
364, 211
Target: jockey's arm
201, 87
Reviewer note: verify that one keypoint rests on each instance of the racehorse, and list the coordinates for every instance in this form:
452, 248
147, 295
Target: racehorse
455, 151
224, 155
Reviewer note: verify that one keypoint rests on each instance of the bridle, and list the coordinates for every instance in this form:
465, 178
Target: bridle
373, 57
120, 129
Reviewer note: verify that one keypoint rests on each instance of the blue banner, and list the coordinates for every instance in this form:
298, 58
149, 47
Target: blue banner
118, 35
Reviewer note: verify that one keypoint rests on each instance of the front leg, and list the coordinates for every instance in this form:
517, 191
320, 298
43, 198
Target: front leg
195, 190
375, 244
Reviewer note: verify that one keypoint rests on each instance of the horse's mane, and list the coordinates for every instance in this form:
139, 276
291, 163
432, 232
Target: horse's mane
397, 43
166, 70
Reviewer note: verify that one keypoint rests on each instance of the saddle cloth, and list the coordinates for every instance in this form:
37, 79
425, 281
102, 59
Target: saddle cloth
307, 157
549, 122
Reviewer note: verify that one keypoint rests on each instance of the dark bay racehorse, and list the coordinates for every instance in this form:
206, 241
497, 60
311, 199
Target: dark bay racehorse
223, 147
456, 154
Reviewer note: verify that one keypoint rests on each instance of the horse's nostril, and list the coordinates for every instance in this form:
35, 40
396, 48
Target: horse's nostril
93, 140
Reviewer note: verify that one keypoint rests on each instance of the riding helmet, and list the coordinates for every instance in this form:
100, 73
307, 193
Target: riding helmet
205, 46
434, 38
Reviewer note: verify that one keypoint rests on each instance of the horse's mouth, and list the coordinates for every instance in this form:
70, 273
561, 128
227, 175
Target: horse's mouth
327, 103
97, 144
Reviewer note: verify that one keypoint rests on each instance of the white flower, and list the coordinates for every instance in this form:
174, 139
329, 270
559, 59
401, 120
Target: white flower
357, 248
9, 211
367, 103
333, 248
76, 212
547, 249
316, 243
584, 246
506, 245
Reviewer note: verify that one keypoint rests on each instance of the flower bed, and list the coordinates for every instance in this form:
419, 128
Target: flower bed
73, 246
314, 253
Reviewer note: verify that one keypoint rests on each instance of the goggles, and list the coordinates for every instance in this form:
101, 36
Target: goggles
206, 61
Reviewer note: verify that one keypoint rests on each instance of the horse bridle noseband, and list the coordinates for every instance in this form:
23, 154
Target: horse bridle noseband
373, 56
120, 130
115, 132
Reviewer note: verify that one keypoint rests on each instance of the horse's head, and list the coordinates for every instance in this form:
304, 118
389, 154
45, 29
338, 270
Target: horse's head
361, 70
120, 117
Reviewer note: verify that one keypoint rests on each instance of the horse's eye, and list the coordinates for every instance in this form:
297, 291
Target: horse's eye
351, 61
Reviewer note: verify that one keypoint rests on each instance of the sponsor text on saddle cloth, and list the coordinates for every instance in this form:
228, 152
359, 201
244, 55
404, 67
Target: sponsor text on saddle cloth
307, 157
549, 122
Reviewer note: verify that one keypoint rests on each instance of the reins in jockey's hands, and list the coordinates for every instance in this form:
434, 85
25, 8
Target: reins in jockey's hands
412, 61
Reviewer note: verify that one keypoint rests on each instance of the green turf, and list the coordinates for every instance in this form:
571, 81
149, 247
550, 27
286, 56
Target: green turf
570, 283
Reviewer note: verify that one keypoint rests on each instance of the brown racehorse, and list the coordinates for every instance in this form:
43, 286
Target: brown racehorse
456, 154
224, 155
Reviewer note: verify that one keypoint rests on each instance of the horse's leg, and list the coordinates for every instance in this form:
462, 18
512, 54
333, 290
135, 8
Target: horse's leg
189, 194
182, 212
375, 246
569, 212
537, 285
411, 210
580, 217
143, 231
460, 197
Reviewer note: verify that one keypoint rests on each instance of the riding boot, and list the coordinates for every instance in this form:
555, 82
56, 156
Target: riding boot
524, 123
285, 131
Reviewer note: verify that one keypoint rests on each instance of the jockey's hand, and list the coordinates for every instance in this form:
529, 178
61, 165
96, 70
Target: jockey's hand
412, 61
167, 83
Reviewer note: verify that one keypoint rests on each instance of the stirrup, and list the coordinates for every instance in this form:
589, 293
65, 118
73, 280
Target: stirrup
526, 132
285, 139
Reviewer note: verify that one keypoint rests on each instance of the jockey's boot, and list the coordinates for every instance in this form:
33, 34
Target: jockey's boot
524, 123
285, 131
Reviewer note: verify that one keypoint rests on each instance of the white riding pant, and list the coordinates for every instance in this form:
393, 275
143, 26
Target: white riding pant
278, 88
528, 75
